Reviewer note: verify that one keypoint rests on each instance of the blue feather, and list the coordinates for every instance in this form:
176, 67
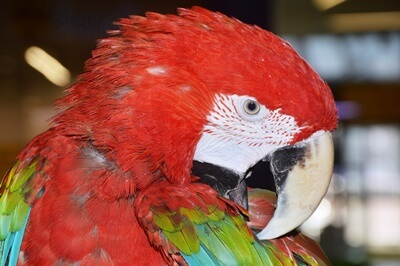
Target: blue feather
6, 246
203, 257
12, 244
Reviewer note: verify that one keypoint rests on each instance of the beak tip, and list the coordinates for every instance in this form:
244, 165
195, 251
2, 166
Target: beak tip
267, 235
276, 228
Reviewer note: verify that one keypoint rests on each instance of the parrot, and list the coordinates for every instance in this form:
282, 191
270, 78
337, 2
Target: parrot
146, 160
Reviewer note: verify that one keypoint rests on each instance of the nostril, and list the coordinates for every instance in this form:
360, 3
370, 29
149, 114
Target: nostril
261, 176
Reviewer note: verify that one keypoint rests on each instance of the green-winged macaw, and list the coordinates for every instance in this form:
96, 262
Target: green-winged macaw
146, 161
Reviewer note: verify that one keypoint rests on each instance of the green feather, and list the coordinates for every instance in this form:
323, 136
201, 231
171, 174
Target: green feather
5, 222
185, 238
19, 216
243, 228
190, 234
235, 241
267, 255
166, 223
11, 201
22, 176
13, 208
14, 211
256, 257
214, 244
215, 214
276, 256
179, 229
196, 215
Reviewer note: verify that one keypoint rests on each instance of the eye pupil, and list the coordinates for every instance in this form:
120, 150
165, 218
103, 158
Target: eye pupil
251, 107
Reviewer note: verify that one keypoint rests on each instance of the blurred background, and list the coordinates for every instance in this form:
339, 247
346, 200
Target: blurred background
353, 44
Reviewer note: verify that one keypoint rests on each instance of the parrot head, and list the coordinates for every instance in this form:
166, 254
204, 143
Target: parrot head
200, 97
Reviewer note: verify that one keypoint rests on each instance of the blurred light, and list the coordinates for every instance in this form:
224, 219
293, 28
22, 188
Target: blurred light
348, 109
324, 53
343, 57
370, 21
327, 4
382, 156
383, 219
338, 184
355, 227
48, 66
318, 220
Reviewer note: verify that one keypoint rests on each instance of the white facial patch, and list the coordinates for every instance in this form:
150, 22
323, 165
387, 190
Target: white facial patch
240, 132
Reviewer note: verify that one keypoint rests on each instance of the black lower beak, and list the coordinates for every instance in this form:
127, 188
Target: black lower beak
227, 183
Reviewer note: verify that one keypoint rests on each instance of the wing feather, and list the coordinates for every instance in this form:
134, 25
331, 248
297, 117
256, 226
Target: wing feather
14, 210
191, 224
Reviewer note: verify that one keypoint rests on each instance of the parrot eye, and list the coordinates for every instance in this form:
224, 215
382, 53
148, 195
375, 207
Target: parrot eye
251, 107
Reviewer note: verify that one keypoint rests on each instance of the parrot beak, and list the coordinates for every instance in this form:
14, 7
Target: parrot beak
302, 175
